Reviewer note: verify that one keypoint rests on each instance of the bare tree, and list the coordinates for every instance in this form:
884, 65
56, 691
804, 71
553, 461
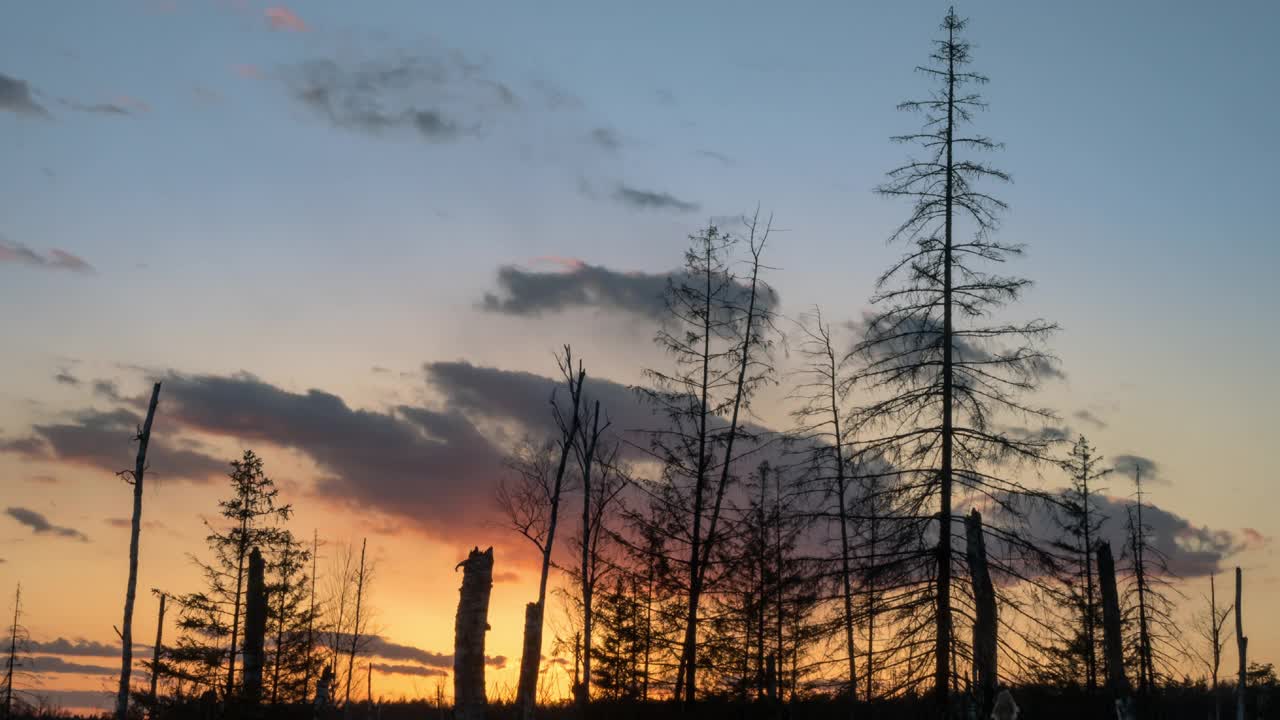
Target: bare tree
1242, 647
134, 477
937, 376
531, 503
719, 336
15, 657
358, 635
1209, 625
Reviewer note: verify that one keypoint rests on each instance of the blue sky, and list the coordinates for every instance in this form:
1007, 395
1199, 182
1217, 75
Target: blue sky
231, 226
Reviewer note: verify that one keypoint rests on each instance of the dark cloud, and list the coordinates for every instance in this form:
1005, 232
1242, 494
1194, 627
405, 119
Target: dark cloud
107, 389
98, 108
19, 254
1130, 465
916, 340
41, 526
531, 293
431, 467
15, 97
382, 648
65, 378
45, 664
1089, 417
650, 200
416, 670
439, 98
606, 138
103, 440
77, 648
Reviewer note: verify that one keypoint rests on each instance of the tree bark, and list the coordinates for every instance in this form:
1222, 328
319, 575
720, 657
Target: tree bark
1242, 646
985, 621
470, 625
255, 628
131, 588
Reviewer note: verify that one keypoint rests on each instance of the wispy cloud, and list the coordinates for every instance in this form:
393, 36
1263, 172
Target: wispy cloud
16, 97
606, 138
1089, 417
651, 200
1131, 466
18, 254
64, 377
282, 18
120, 105
41, 526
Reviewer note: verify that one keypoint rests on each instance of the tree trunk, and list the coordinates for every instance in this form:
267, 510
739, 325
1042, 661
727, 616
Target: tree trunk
1113, 644
1242, 646
531, 654
155, 654
131, 588
985, 622
355, 629
470, 625
13, 654
588, 582
255, 628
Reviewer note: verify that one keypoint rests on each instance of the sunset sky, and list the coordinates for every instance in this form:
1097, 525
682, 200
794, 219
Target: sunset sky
350, 236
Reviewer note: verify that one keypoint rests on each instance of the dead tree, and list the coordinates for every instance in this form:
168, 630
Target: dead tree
1113, 643
357, 626
1242, 646
135, 529
985, 621
13, 661
156, 650
255, 628
532, 505
935, 368
1210, 626
469, 629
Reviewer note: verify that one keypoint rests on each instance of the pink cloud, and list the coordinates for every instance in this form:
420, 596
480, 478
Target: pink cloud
282, 18
18, 254
1254, 539
569, 264
248, 71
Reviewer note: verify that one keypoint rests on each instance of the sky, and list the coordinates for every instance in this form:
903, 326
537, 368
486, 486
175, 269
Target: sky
351, 237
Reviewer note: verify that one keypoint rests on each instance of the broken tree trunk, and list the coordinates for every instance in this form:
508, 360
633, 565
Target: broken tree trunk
155, 653
530, 659
1242, 645
985, 623
131, 589
1113, 644
255, 628
472, 622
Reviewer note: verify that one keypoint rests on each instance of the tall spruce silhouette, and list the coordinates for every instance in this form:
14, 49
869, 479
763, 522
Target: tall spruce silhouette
938, 371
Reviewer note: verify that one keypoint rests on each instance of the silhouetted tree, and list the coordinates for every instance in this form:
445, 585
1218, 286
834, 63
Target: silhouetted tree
15, 657
1209, 624
211, 620
530, 500
1150, 597
718, 334
937, 372
135, 478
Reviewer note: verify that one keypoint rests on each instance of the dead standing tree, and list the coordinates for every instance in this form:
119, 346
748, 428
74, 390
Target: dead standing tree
936, 374
1113, 641
718, 333
1210, 626
255, 629
469, 629
531, 502
1242, 647
134, 477
985, 623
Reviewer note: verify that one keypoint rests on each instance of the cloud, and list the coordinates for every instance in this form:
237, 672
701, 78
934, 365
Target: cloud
64, 377
382, 648
47, 665
282, 18
431, 467
606, 138
416, 670
19, 254
102, 440
77, 648
650, 200
1090, 418
531, 293
15, 97
1130, 465
41, 526
506, 577
438, 98
107, 389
